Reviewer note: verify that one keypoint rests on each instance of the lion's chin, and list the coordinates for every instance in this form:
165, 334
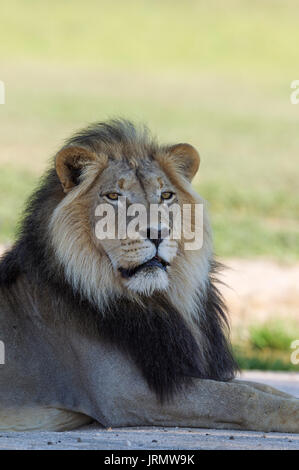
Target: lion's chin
148, 281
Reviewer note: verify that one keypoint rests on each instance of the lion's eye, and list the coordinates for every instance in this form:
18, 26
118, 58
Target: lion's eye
165, 196
112, 196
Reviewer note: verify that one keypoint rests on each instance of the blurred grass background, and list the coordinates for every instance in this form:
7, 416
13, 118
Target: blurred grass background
266, 346
215, 74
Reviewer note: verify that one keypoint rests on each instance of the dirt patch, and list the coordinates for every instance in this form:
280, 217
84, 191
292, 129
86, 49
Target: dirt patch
260, 290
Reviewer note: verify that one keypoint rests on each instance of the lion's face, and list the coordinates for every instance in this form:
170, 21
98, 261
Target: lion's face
142, 254
133, 173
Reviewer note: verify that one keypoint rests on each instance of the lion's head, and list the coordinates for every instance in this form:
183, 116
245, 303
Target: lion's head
109, 163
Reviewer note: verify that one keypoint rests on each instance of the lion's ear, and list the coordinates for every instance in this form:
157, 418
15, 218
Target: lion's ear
185, 158
70, 163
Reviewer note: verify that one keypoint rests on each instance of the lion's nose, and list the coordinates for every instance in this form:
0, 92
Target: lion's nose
157, 236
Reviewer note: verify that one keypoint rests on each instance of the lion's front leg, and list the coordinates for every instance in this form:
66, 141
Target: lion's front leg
264, 388
211, 404
237, 405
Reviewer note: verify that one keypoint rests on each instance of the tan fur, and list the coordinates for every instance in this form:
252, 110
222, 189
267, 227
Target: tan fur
77, 157
40, 418
88, 262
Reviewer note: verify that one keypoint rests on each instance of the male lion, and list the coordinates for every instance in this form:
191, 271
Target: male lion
125, 332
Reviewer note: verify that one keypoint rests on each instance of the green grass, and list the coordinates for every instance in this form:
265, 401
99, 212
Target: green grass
216, 75
234, 34
267, 347
247, 359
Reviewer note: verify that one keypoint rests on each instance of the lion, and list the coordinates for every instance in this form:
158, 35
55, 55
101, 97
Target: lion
126, 332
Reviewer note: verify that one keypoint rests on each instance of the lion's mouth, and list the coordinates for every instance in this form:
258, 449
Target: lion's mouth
155, 262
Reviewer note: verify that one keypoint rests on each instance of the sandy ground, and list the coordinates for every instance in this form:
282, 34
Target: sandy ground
260, 290
149, 438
